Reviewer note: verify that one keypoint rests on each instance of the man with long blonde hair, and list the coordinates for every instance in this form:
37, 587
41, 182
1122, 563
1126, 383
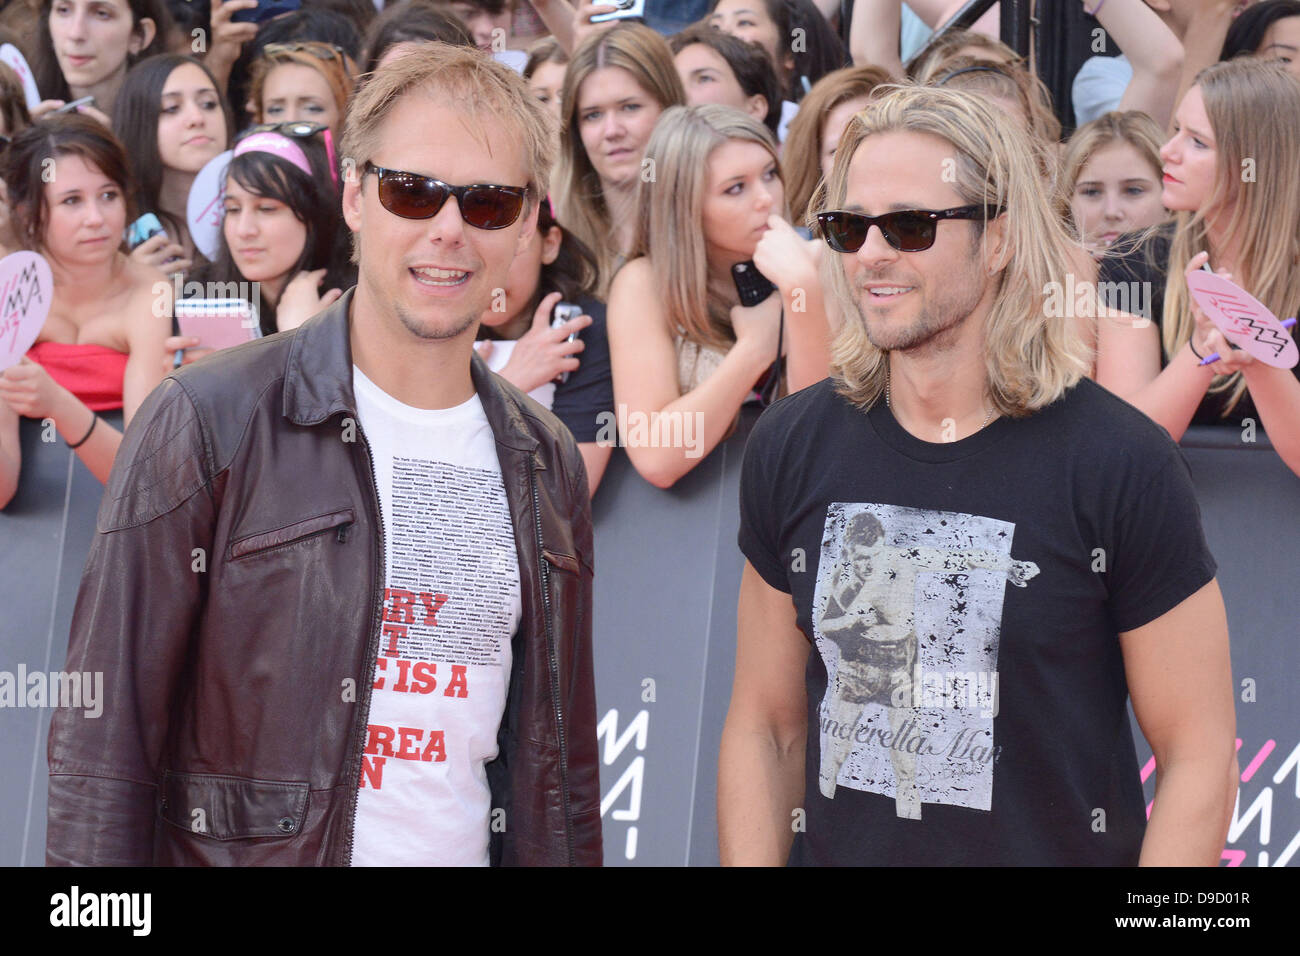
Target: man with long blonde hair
894, 701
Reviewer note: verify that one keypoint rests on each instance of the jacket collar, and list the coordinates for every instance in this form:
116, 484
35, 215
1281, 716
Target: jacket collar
318, 379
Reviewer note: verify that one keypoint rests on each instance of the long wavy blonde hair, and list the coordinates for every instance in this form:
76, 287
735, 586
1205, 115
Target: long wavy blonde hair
1254, 111
1032, 353
670, 214
580, 200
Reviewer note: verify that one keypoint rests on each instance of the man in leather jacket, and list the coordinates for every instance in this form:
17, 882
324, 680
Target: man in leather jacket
282, 572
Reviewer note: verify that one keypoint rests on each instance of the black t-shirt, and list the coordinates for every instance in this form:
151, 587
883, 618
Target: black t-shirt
1148, 263
964, 602
589, 390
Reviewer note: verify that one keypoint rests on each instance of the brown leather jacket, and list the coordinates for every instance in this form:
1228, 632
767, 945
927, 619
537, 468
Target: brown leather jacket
232, 600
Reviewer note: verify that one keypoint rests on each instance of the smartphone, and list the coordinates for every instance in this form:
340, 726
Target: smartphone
218, 323
265, 10
146, 227
70, 107
626, 9
752, 285
564, 311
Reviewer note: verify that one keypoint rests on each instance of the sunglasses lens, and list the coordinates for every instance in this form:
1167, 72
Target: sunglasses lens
488, 208
845, 232
411, 197
908, 232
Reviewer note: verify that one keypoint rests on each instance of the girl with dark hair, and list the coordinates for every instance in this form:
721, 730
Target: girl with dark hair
98, 349
1270, 29
281, 226
772, 25
171, 112
86, 47
402, 24
566, 369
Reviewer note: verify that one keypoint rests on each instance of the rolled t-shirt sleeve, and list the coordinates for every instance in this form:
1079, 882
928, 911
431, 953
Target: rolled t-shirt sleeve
759, 534
1160, 557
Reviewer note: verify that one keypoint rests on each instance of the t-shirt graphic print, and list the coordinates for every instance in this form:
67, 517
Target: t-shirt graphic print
452, 603
908, 610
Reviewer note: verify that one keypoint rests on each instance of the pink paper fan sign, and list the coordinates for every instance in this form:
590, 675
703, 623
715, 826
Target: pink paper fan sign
13, 58
26, 288
1243, 319
203, 209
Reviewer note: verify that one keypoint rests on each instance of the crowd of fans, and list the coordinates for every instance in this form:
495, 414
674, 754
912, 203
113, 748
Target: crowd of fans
679, 155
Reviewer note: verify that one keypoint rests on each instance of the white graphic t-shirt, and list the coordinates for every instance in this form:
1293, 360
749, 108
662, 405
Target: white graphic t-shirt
451, 606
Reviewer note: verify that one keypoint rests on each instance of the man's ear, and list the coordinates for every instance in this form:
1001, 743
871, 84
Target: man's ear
997, 244
530, 227
551, 244
352, 186
142, 35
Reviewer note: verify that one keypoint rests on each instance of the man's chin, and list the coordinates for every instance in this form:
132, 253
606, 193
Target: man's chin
436, 329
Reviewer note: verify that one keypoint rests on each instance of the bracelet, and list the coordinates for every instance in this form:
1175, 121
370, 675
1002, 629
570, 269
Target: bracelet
93, 422
1189, 338
1095, 10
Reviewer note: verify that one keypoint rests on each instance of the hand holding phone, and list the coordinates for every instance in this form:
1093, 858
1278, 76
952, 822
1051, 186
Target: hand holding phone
752, 286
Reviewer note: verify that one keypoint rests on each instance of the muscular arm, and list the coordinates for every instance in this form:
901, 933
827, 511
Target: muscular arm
761, 761
1180, 681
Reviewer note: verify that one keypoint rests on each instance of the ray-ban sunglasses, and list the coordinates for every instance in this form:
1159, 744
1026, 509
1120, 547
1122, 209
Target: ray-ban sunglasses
909, 230
413, 196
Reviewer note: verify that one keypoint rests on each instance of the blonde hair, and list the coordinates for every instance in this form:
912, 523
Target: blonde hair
581, 201
1031, 356
803, 142
332, 63
1254, 110
670, 213
470, 81
1133, 127
933, 57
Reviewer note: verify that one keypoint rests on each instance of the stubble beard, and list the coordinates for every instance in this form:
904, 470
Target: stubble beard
434, 333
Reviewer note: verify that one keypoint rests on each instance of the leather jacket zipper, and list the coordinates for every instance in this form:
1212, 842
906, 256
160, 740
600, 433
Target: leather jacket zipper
372, 653
545, 568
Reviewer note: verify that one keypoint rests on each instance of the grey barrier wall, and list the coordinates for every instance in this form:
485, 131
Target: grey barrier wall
668, 573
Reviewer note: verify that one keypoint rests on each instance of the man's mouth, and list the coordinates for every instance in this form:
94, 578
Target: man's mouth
884, 293
440, 278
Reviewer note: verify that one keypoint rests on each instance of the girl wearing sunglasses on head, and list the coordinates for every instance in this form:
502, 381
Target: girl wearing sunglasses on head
303, 80
109, 315
172, 114
681, 345
281, 228
565, 369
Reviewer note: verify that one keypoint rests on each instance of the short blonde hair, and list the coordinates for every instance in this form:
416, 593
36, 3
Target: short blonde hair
473, 81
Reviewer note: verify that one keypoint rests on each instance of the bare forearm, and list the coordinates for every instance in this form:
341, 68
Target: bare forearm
700, 418
1154, 52
557, 15
1171, 398
808, 359
1276, 394
760, 785
873, 35
1203, 43
73, 420
1190, 815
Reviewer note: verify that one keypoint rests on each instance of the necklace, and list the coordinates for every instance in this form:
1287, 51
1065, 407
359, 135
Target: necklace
987, 417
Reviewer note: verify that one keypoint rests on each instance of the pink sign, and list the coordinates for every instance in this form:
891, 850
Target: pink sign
1243, 320
26, 287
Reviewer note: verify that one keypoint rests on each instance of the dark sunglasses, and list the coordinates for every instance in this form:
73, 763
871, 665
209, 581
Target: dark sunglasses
294, 129
911, 230
413, 196
318, 49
